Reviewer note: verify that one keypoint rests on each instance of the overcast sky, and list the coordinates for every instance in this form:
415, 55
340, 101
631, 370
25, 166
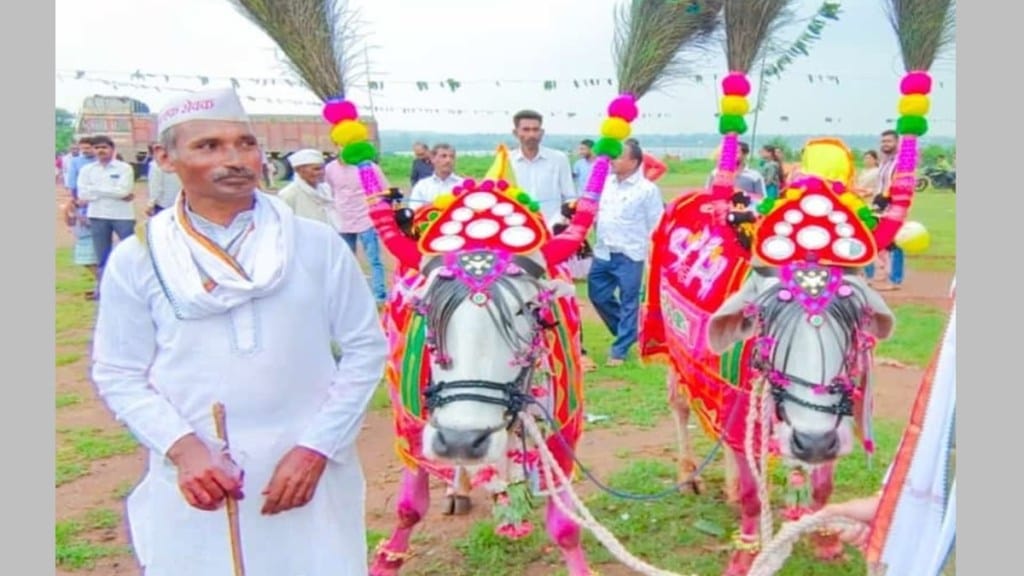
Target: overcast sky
519, 43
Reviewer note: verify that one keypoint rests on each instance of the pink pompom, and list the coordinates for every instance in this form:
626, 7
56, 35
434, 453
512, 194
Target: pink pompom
502, 185
623, 107
456, 190
736, 84
916, 83
336, 111
469, 184
487, 185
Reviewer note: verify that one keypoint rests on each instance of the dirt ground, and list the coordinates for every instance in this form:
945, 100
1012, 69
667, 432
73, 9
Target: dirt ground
108, 480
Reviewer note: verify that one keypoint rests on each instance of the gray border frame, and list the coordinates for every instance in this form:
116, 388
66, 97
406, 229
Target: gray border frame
988, 543
27, 430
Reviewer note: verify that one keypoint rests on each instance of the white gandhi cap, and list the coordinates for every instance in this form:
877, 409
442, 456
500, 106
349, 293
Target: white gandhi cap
306, 157
218, 104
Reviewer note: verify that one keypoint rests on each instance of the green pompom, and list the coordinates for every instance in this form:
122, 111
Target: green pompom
766, 205
355, 154
523, 198
729, 123
534, 206
871, 222
916, 125
433, 216
609, 147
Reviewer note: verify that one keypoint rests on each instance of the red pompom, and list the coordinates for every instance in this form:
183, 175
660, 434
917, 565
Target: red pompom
623, 107
736, 84
336, 111
916, 83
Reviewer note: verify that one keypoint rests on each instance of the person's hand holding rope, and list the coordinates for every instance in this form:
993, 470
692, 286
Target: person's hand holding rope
861, 511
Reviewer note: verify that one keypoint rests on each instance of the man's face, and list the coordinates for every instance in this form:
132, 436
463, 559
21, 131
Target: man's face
584, 151
888, 144
86, 150
313, 174
444, 161
104, 152
421, 152
625, 165
74, 150
529, 133
214, 159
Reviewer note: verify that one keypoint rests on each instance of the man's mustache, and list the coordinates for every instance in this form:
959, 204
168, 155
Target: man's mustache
226, 173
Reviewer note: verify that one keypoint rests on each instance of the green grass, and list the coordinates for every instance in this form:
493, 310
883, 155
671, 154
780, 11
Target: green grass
74, 551
917, 333
78, 447
65, 400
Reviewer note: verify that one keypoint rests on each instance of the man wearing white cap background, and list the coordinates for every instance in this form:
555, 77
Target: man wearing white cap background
228, 298
308, 195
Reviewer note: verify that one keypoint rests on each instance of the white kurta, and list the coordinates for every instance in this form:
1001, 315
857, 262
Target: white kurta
270, 363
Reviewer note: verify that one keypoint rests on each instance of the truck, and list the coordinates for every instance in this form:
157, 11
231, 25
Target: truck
132, 126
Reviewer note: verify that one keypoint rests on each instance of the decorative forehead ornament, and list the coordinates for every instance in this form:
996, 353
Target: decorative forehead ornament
815, 229
478, 229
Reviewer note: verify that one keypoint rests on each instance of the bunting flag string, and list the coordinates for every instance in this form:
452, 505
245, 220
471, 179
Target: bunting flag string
453, 84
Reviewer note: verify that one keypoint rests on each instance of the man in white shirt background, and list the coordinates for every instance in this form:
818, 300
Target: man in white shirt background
163, 188
629, 210
442, 157
544, 173
235, 301
106, 187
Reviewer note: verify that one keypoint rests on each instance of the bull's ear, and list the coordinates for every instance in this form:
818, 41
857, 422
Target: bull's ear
882, 321
730, 324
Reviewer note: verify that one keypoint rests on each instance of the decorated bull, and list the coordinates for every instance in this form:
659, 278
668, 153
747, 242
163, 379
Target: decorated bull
763, 303
483, 324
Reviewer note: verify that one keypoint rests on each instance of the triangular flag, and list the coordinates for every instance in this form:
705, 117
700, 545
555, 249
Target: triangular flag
501, 169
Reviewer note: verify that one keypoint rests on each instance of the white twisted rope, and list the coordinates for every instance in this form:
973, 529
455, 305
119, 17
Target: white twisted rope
584, 518
774, 554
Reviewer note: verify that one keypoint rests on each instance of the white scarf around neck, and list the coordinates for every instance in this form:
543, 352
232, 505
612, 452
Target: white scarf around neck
200, 278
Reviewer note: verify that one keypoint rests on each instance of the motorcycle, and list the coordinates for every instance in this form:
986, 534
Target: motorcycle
936, 177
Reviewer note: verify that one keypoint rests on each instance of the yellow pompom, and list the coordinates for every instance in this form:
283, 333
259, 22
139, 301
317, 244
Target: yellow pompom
914, 105
792, 193
913, 238
735, 105
615, 128
445, 200
349, 132
849, 199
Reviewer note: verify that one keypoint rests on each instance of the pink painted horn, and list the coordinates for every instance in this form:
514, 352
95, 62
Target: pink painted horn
614, 130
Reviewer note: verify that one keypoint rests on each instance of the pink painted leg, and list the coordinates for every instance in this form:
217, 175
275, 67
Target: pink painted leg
413, 502
566, 535
827, 545
747, 546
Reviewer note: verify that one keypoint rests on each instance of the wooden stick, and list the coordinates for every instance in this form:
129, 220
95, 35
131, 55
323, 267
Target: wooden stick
220, 420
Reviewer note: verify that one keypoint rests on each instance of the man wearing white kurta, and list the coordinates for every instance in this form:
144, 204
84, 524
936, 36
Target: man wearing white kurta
543, 172
230, 298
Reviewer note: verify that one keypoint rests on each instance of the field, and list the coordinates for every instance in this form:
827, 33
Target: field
97, 462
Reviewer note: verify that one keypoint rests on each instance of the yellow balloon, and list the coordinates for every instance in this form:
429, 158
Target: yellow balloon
349, 132
615, 128
735, 105
914, 105
913, 238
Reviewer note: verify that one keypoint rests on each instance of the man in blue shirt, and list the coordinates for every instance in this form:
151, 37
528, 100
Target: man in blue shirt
85, 253
581, 169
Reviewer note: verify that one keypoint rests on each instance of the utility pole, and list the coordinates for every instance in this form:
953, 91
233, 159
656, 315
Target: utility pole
369, 82
757, 109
